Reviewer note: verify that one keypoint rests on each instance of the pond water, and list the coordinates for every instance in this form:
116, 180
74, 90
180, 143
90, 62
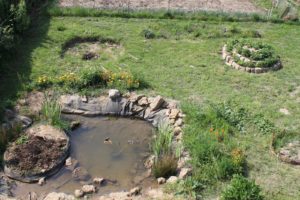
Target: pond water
112, 148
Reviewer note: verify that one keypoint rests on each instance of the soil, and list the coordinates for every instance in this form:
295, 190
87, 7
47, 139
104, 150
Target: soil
35, 154
242, 6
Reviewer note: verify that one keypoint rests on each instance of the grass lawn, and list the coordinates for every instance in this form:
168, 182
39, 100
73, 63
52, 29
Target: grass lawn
183, 63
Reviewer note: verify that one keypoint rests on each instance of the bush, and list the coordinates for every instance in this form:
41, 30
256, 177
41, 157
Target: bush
241, 188
148, 34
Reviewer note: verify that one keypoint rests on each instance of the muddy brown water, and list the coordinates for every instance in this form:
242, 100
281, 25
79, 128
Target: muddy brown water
121, 160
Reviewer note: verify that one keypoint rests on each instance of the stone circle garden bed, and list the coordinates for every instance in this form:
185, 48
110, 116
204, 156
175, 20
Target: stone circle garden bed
252, 57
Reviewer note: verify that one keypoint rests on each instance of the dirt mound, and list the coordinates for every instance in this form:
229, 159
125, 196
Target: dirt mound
36, 154
39, 152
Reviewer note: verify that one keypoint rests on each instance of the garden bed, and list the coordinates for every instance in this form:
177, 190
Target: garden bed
250, 57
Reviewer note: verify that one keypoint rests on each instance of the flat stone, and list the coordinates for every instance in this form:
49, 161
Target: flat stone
143, 101
114, 94
134, 191
59, 196
161, 180
42, 181
78, 193
177, 130
74, 125
172, 179
184, 172
284, 111
179, 122
98, 181
31, 196
80, 174
157, 102
88, 189
174, 113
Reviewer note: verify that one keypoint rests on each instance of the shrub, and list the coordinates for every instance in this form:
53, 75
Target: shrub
43, 82
241, 188
148, 34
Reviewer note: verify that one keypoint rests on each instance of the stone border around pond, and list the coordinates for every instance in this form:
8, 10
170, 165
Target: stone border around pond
257, 70
155, 110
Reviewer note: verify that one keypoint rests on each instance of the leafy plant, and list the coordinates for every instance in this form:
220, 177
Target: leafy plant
241, 188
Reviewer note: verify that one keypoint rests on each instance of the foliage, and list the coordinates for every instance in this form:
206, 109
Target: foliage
148, 34
162, 142
51, 112
14, 20
165, 161
241, 188
91, 77
259, 54
263, 124
208, 138
165, 167
22, 139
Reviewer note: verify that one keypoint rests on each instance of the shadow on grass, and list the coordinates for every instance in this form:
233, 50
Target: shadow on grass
15, 67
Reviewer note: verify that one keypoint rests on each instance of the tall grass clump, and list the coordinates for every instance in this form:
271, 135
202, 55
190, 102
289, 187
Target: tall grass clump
165, 162
241, 188
51, 112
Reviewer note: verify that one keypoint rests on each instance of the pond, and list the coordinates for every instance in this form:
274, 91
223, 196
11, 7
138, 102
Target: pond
104, 147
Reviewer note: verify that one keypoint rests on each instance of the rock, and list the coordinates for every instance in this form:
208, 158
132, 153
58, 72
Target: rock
174, 113
80, 174
68, 161
98, 181
78, 193
161, 180
171, 121
134, 97
157, 102
149, 162
88, 189
172, 179
134, 191
59, 196
179, 137
74, 125
143, 101
284, 111
31, 196
25, 121
42, 181
177, 130
179, 122
184, 172
9, 114
114, 94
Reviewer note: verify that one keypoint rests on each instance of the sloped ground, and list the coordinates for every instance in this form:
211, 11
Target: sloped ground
242, 6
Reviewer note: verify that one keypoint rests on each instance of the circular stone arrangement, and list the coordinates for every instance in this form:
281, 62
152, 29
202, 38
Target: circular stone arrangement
252, 57
39, 152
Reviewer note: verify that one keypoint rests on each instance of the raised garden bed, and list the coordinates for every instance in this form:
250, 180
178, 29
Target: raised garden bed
252, 57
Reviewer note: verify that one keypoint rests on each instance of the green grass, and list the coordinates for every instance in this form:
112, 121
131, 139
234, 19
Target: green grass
183, 67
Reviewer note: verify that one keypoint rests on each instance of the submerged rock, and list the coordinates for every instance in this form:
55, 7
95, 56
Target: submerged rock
88, 189
81, 174
59, 196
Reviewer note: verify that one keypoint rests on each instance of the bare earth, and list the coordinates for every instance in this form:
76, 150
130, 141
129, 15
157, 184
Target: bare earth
242, 6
